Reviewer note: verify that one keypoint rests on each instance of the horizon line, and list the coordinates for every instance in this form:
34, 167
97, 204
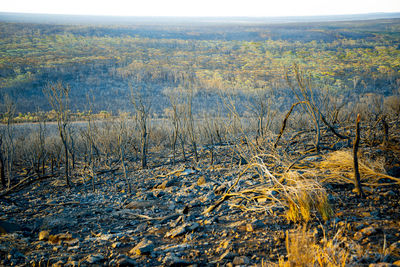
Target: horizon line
199, 16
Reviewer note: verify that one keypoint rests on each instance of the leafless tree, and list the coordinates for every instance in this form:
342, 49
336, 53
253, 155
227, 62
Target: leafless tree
122, 141
41, 143
58, 96
260, 103
8, 135
176, 115
189, 122
89, 138
304, 93
142, 106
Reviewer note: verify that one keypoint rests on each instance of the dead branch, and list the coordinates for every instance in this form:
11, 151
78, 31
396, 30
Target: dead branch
285, 121
22, 184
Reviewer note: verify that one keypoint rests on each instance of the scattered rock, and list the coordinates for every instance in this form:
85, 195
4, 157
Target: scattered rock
44, 235
174, 248
58, 223
180, 230
172, 260
57, 239
140, 204
93, 259
241, 260
368, 231
201, 181
188, 171
15, 254
144, 247
123, 261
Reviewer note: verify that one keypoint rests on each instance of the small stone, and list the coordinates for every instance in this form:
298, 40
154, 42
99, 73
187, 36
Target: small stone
74, 248
249, 227
92, 259
15, 254
193, 226
201, 181
389, 193
126, 261
368, 231
177, 231
172, 260
144, 247
116, 245
226, 255
241, 260
184, 228
44, 235
72, 264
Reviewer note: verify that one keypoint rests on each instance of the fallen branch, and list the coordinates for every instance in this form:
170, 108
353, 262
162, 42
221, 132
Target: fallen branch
22, 184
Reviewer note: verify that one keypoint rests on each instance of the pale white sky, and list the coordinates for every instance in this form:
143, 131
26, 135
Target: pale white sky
201, 7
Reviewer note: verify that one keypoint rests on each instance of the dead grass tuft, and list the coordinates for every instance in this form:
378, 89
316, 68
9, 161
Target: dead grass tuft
338, 167
304, 250
301, 198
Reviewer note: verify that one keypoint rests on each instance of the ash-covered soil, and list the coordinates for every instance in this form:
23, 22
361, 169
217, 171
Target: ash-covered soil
162, 220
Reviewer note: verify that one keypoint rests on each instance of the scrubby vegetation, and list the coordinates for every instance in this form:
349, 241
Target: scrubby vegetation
245, 131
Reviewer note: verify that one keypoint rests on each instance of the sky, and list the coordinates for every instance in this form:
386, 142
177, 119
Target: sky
256, 8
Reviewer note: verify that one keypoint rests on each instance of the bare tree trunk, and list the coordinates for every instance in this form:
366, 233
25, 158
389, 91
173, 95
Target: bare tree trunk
142, 107
357, 182
58, 96
144, 146
183, 149
385, 132
190, 124
66, 164
2, 173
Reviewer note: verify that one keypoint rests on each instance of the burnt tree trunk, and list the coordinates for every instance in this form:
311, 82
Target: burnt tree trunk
357, 179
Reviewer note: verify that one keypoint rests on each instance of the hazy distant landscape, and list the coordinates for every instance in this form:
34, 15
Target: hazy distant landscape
104, 59
199, 141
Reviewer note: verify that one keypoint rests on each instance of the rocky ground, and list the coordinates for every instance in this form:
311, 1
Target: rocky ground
162, 221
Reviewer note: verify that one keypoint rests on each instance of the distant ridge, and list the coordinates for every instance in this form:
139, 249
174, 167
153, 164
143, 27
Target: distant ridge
125, 20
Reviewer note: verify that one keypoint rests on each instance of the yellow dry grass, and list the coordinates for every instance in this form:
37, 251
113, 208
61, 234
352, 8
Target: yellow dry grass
300, 197
303, 250
338, 167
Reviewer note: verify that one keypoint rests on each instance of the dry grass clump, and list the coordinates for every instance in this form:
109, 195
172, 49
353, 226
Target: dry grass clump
304, 250
338, 167
304, 197
299, 197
